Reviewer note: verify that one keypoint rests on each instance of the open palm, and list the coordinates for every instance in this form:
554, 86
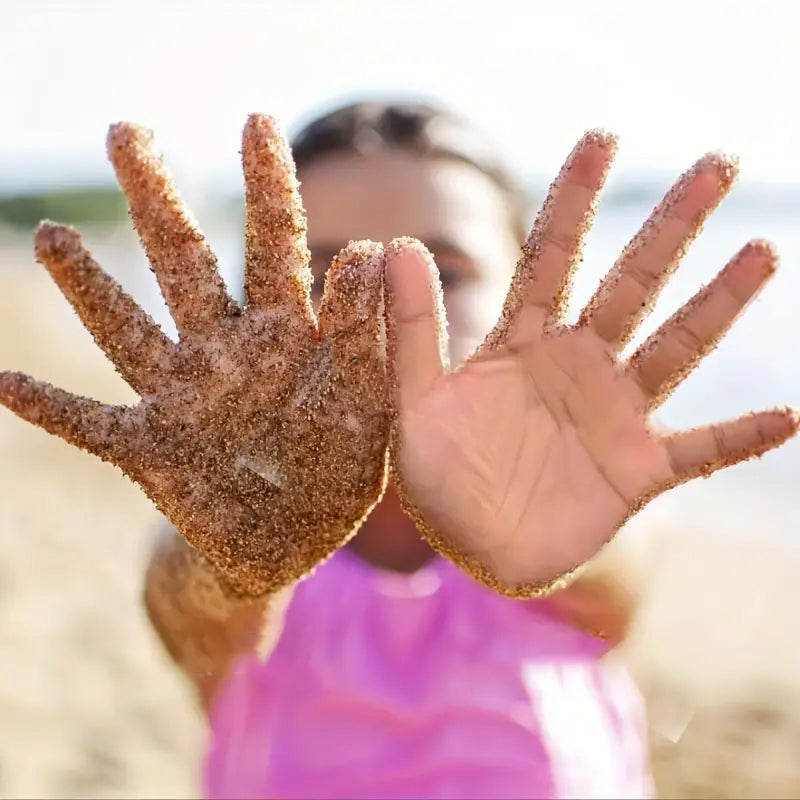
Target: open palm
521, 464
261, 433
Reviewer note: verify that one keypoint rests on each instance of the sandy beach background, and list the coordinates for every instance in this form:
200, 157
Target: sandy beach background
90, 706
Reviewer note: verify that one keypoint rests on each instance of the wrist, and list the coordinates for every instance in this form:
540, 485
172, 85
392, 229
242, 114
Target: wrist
203, 626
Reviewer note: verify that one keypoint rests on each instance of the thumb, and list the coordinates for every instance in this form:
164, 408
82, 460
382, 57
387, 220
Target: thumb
416, 323
350, 315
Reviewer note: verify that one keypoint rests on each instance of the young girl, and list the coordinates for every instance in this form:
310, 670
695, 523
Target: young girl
389, 671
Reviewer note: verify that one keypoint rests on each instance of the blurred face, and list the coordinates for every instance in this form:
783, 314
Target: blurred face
456, 210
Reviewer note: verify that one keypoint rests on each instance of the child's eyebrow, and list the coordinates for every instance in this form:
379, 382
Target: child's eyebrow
441, 244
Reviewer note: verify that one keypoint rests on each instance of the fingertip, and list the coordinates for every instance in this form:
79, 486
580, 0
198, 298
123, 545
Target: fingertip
700, 189
261, 134
352, 299
793, 419
601, 139
53, 240
408, 259
11, 386
5, 380
408, 246
590, 160
776, 426
763, 251
750, 269
360, 263
360, 250
123, 136
258, 123
412, 280
723, 166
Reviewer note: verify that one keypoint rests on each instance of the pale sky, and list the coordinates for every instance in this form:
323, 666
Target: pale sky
675, 79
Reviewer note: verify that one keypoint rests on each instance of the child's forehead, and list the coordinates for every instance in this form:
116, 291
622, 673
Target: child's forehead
440, 201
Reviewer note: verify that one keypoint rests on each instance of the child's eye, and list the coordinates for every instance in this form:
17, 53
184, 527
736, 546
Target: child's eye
450, 278
318, 271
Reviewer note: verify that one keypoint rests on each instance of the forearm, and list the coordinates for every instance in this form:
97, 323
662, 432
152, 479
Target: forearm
602, 600
202, 625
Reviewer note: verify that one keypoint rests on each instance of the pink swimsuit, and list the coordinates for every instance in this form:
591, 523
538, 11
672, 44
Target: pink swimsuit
425, 686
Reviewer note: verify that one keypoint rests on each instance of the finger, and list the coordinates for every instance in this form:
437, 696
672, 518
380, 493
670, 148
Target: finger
678, 346
628, 292
415, 321
351, 320
127, 335
80, 421
184, 265
351, 311
277, 269
541, 284
705, 450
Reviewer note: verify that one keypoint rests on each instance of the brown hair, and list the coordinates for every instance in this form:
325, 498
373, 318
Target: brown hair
418, 128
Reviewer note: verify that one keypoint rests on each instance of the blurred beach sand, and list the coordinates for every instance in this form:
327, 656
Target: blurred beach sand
91, 706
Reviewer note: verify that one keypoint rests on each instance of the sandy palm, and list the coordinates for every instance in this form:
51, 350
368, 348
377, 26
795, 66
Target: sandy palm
262, 432
522, 463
